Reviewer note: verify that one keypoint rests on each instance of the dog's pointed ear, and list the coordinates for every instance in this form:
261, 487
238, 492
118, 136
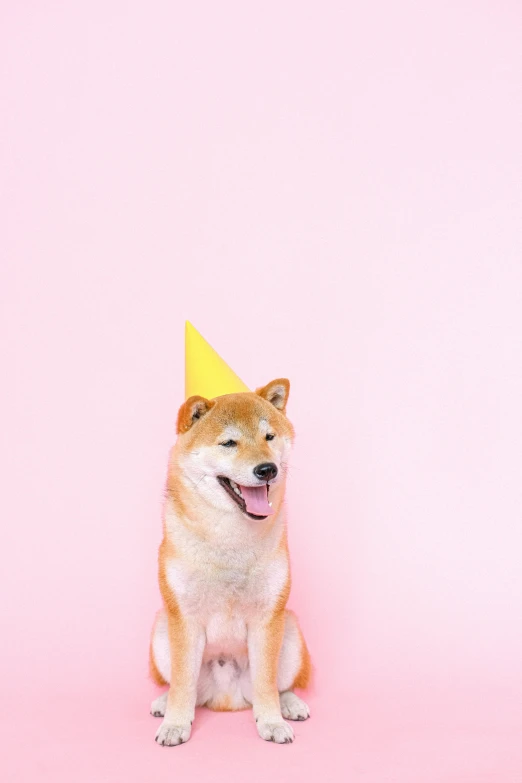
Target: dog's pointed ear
276, 392
192, 410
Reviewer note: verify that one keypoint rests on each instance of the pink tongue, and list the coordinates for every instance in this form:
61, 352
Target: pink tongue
256, 499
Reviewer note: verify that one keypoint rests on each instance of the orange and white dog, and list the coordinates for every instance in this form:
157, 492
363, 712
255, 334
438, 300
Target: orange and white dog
224, 638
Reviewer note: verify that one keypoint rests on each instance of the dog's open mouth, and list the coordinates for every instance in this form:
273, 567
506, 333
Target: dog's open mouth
253, 501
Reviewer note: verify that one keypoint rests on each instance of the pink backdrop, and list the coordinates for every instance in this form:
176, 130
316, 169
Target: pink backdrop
329, 191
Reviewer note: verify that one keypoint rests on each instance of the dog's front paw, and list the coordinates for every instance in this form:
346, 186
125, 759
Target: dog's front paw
172, 734
273, 731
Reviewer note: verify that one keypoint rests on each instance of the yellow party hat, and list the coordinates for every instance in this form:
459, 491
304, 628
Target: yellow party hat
206, 374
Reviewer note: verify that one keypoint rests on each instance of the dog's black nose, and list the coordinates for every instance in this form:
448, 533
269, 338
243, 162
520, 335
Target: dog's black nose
266, 471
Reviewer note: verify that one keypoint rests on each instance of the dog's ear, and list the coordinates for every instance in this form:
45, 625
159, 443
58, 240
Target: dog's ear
276, 392
192, 410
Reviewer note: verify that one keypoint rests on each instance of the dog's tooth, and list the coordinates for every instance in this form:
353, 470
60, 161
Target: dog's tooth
270, 503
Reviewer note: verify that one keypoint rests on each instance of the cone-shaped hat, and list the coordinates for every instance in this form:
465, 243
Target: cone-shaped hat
206, 374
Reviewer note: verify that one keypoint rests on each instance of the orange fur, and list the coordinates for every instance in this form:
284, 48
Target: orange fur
167, 552
153, 669
225, 705
246, 407
274, 641
176, 625
304, 675
285, 592
276, 392
203, 426
192, 410
266, 686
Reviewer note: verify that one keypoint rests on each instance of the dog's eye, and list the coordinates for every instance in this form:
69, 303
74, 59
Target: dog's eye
270, 436
229, 443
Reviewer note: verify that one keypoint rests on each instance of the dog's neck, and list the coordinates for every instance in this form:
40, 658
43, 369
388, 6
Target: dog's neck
201, 524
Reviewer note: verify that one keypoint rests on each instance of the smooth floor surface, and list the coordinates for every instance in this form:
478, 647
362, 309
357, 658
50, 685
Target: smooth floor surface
404, 738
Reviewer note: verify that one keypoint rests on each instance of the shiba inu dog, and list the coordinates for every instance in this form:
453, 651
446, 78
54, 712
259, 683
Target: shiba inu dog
224, 638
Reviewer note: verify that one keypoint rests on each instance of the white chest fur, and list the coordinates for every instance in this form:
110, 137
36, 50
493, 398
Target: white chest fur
225, 593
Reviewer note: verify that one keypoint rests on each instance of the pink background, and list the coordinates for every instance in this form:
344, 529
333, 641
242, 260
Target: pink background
329, 191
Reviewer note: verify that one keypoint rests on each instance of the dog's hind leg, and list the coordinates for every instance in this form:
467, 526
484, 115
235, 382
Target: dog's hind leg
159, 705
292, 707
294, 670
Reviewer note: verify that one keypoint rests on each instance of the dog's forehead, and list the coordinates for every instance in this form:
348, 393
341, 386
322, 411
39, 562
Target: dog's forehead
246, 412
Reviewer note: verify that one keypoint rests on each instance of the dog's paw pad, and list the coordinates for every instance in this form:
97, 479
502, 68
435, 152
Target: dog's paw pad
279, 732
168, 734
293, 708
